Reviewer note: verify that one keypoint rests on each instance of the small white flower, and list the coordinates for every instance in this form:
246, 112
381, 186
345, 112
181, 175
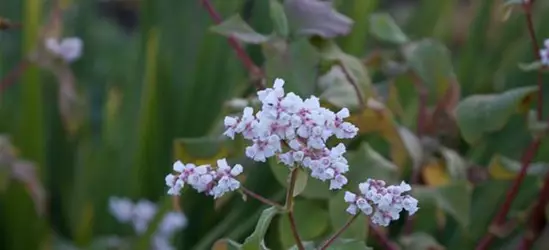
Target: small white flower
385, 203
121, 208
69, 49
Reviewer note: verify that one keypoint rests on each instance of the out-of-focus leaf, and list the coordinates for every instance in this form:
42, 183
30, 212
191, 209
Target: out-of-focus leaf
384, 28
312, 17
308, 245
412, 144
420, 241
351, 76
367, 163
255, 240
201, 151
536, 127
479, 114
108, 243
236, 27
349, 244
455, 164
375, 118
503, 168
296, 62
338, 216
315, 189
434, 174
432, 62
280, 22
25, 172
530, 66
453, 198
70, 106
226, 244
311, 219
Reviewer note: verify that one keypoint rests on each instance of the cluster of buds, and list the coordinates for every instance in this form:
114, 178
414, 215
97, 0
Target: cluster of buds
140, 216
204, 178
303, 124
383, 204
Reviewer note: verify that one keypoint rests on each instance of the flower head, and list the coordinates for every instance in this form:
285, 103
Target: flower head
205, 179
383, 204
303, 124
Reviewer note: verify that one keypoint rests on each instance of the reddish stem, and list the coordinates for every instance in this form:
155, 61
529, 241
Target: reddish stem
240, 52
290, 208
351, 80
338, 233
13, 75
512, 192
260, 198
536, 216
382, 239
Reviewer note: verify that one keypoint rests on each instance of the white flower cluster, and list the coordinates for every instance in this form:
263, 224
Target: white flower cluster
303, 124
544, 53
68, 49
205, 179
141, 214
382, 203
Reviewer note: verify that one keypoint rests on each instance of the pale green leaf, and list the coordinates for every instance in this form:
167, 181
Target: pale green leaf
479, 114
255, 240
239, 29
315, 189
533, 66
367, 163
384, 27
420, 241
301, 182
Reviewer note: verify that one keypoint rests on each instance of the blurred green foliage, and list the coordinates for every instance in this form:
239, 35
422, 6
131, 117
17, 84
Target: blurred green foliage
158, 92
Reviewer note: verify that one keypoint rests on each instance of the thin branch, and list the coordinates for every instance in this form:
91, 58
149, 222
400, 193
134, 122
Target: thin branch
240, 52
13, 75
512, 192
331, 240
527, 158
260, 198
351, 80
290, 208
383, 240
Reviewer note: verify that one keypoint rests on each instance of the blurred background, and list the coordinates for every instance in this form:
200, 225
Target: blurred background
153, 84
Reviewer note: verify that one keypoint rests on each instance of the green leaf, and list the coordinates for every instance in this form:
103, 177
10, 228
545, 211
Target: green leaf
533, 66
315, 189
349, 244
344, 77
454, 199
366, 163
339, 217
536, 127
301, 182
413, 145
311, 219
202, 150
420, 241
480, 114
278, 17
296, 62
239, 29
455, 164
316, 18
501, 167
226, 244
255, 240
432, 62
383, 26
308, 245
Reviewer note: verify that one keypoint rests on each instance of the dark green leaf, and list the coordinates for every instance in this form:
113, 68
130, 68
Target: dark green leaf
349, 244
479, 114
420, 241
278, 17
311, 219
367, 163
358, 230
